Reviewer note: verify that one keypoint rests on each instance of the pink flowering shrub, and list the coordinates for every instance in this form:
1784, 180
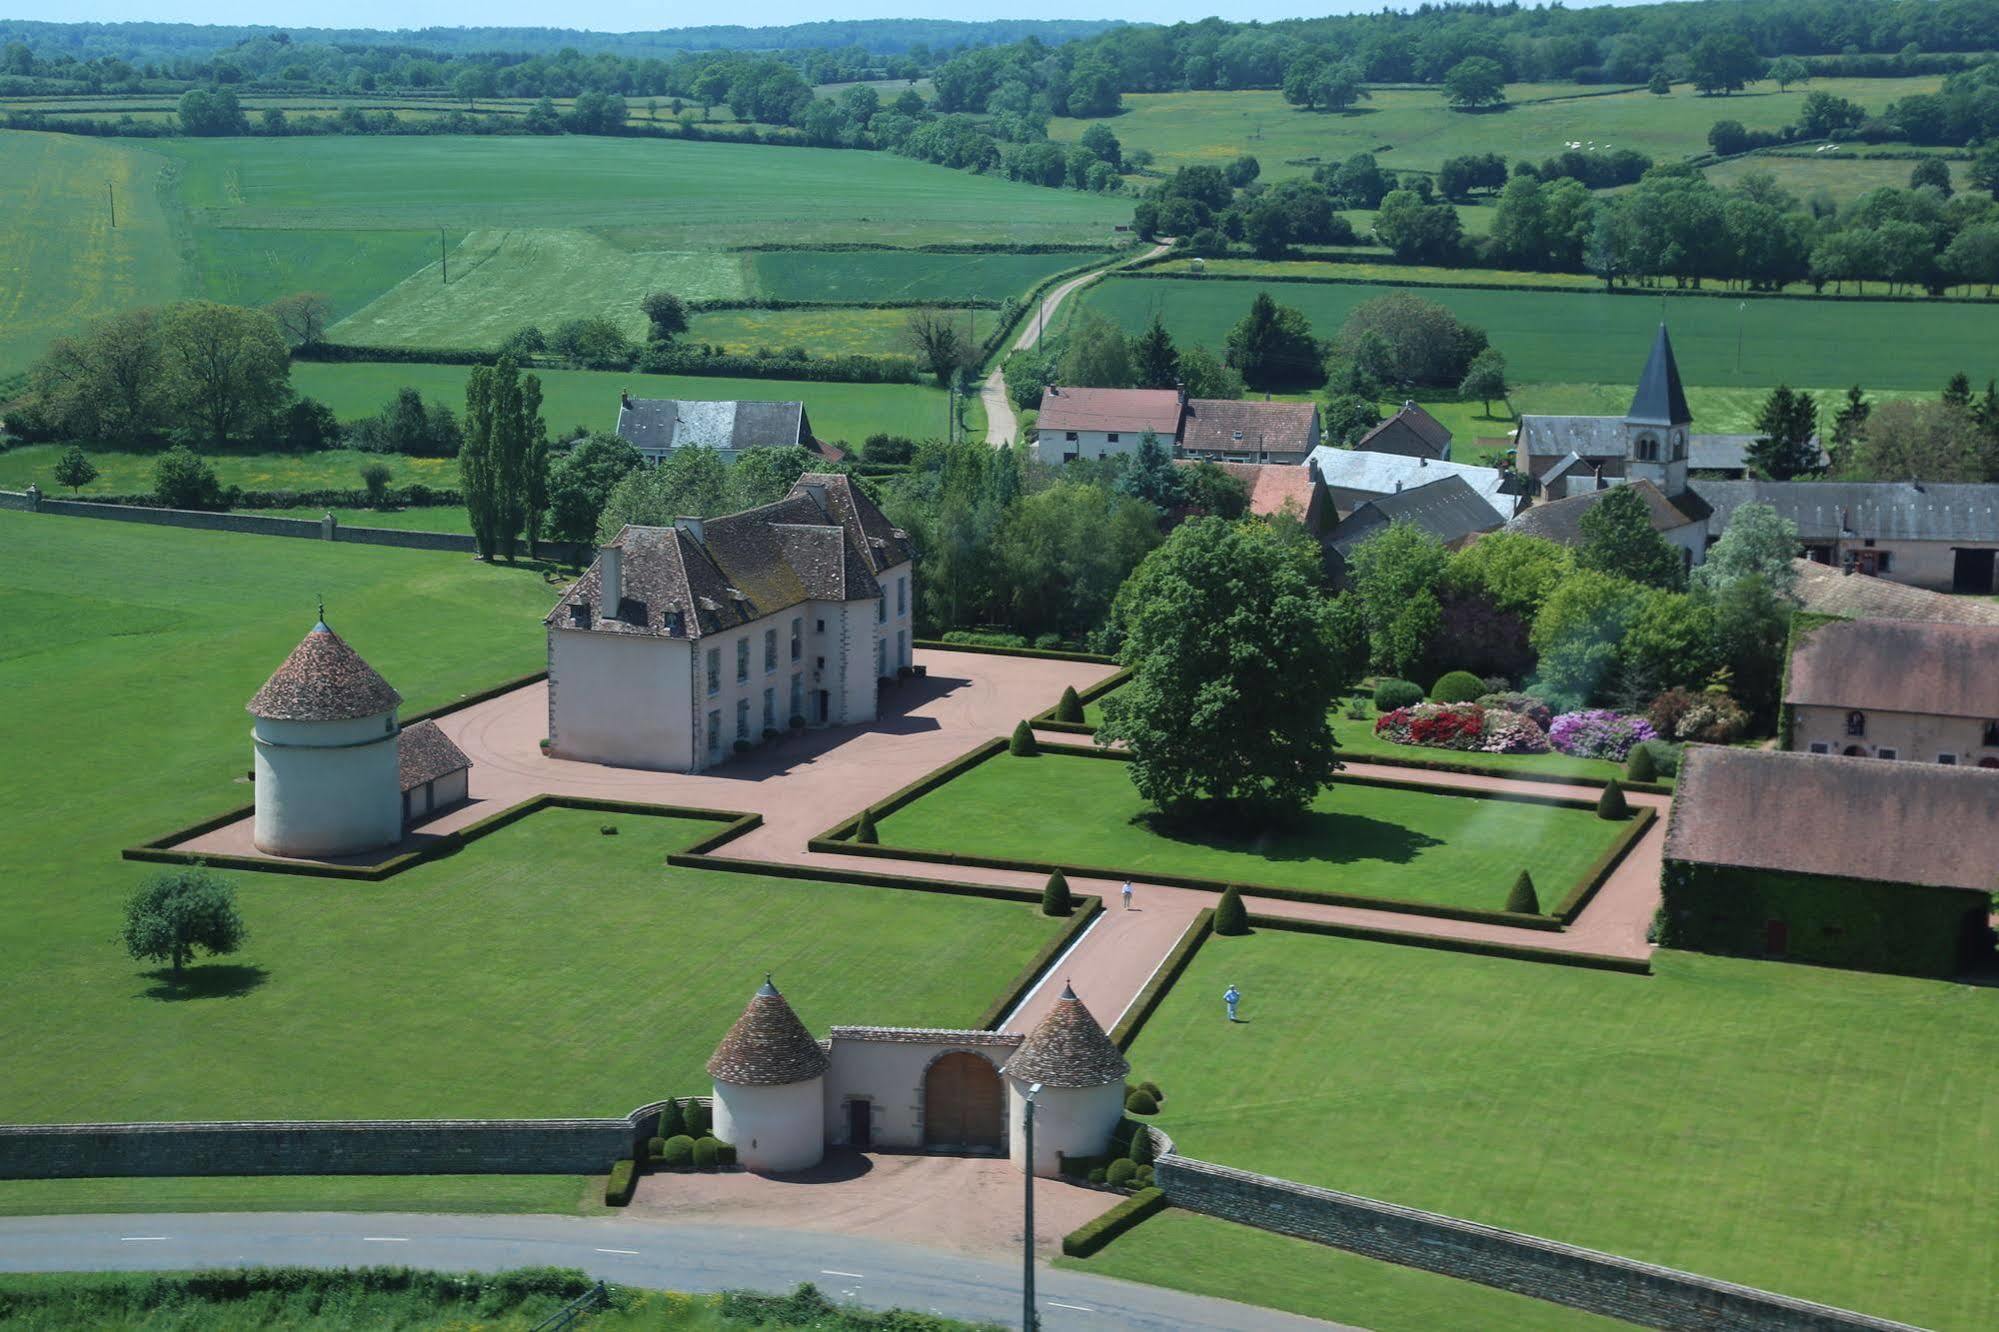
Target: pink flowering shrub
1599, 733
1465, 727
1526, 705
1511, 733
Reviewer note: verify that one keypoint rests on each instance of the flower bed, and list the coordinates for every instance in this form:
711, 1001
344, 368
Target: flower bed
1599, 733
1465, 727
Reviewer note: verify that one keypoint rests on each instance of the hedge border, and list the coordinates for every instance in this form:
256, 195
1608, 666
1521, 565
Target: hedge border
1635, 966
1164, 979
158, 850
1045, 719
1306, 279
1095, 1233
1046, 654
1506, 774
837, 840
1085, 914
1606, 864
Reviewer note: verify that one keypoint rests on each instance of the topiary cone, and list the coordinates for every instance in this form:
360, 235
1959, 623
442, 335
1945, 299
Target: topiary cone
1641, 767
1055, 898
1523, 898
1612, 804
1022, 745
1230, 915
1070, 709
865, 832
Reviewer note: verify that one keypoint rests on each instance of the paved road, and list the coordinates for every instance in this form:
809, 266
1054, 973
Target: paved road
1002, 426
699, 1258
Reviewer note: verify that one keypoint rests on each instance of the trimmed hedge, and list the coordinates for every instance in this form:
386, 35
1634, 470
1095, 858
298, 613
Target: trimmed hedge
889, 804
1523, 898
1457, 687
1022, 745
1612, 804
1037, 966
1093, 1235
1600, 872
1128, 1027
677, 1153
1056, 900
1046, 654
707, 1153
620, 1184
1392, 694
1048, 721
1230, 915
1510, 774
1636, 966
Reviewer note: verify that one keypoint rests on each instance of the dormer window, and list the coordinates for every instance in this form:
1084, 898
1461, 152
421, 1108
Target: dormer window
579, 615
1856, 723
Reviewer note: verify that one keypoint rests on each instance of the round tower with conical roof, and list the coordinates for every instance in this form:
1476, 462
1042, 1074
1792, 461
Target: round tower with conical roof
1081, 1075
325, 737
770, 1087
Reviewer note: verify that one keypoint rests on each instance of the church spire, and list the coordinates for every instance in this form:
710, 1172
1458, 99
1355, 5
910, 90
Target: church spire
1660, 400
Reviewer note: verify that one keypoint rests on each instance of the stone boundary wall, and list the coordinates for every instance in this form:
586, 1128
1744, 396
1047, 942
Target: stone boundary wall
1599, 1283
310, 529
330, 1147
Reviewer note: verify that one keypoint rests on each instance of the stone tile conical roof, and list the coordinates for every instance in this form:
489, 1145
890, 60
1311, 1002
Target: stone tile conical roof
1068, 1049
768, 1046
323, 680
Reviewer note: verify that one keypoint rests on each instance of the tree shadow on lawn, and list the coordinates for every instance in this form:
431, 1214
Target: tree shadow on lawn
1329, 836
217, 980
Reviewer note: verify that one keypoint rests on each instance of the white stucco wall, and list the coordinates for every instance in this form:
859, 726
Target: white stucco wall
855, 695
326, 788
621, 699
1054, 446
889, 1074
1915, 737
773, 1128
1076, 1121
449, 789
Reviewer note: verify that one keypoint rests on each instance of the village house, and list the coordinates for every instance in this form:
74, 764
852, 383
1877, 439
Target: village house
658, 426
1561, 521
1447, 509
1927, 534
1354, 476
1844, 862
682, 645
1412, 433
1092, 423
1896, 689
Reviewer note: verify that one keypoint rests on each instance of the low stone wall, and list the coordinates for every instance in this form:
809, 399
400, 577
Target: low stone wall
335, 1147
1599, 1283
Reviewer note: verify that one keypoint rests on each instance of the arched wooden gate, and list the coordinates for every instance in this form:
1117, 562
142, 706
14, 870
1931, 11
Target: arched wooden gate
962, 1103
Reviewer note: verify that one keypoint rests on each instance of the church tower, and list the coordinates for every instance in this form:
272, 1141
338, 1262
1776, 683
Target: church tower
1655, 429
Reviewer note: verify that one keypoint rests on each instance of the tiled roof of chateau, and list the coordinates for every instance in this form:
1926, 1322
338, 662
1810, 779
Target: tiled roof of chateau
1878, 820
1068, 1049
825, 541
768, 1046
424, 753
323, 680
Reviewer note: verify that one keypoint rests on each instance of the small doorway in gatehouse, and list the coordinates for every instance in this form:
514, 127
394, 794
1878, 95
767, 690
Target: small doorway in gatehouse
962, 1104
860, 1124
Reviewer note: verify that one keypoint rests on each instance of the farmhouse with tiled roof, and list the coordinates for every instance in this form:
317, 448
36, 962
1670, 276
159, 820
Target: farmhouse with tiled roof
1896, 689
1224, 430
1411, 432
681, 645
1091, 423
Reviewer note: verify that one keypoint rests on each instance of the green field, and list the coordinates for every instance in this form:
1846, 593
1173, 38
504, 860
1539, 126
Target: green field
304, 1193
1370, 841
910, 275
1842, 173
1413, 129
129, 472
451, 989
1599, 338
1822, 1133
1206, 1256
847, 330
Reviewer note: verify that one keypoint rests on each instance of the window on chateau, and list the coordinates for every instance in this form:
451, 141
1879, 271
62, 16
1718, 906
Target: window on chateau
881, 609
902, 595
798, 694
714, 670
742, 660
742, 719
1886, 753
770, 650
797, 636
1856, 723
770, 709
1821, 747
714, 734
1948, 760
1112, 437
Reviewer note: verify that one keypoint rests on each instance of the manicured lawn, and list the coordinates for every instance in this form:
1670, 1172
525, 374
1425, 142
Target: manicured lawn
1207, 1256
1371, 841
474, 985
881, 275
1592, 337
305, 1193
1822, 1133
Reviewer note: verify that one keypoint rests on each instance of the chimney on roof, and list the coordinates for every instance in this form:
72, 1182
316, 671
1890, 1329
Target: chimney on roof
624, 399
611, 581
1422, 461
1408, 404
692, 527
1398, 485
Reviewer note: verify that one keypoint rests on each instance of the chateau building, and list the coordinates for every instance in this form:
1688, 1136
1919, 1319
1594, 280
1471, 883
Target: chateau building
683, 645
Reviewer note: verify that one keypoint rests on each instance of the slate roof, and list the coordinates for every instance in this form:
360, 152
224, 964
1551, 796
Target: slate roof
825, 541
1222, 425
323, 680
1380, 473
425, 753
1446, 508
1830, 591
1879, 820
1890, 510
768, 1046
1940, 670
1561, 520
1134, 410
1411, 431
1659, 399
1587, 436
661, 424
1726, 453
1067, 1049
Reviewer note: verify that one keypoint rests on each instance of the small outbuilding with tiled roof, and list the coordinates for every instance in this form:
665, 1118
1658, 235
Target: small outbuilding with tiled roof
434, 771
326, 753
1847, 862
1076, 1076
769, 1086
1411, 432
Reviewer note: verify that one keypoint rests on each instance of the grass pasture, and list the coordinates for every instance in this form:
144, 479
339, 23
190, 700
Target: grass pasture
129, 472
846, 330
1369, 841
1413, 128
913, 275
451, 989
1817, 1132
1576, 337
1843, 173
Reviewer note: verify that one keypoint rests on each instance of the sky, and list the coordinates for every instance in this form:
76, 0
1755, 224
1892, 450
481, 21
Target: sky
640, 15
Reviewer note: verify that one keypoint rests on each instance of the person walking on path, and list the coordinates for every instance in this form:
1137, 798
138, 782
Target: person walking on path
1232, 996
1125, 892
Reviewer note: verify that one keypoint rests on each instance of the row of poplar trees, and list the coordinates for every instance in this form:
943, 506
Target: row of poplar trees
503, 463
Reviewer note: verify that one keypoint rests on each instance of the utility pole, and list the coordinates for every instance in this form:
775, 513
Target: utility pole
112, 196
1029, 1321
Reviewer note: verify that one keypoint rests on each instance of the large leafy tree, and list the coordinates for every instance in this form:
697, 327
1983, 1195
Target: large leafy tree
1618, 539
581, 480
1760, 543
226, 369
1786, 428
1724, 62
1515, 572
1235, 660
1578, 634
1474, 83
1394, 577
175, 912
1063, 552
1096, 355
504, 443
688, 483
1272, 345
